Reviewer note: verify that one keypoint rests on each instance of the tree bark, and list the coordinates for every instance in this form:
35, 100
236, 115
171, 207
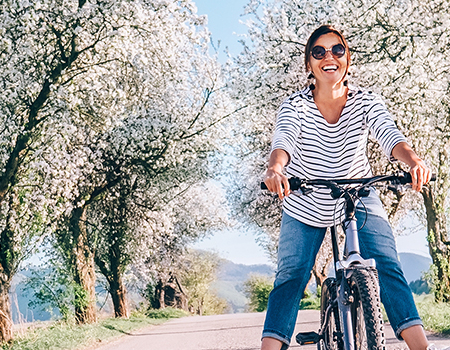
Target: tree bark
119, 298
162, 296
76, 249
84, 269
113, 274
5, 313
10, 257
438, 244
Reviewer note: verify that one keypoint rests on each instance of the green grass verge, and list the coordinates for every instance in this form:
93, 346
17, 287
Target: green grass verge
68, 336
435, 316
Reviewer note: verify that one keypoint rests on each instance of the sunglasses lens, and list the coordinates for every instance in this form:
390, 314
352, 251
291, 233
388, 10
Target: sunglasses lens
318, 52
338, 50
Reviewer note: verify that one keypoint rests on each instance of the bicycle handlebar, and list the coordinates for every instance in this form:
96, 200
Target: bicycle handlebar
400, 178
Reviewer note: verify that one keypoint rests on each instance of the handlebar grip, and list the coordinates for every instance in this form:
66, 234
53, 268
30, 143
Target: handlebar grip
407, 179
294, 184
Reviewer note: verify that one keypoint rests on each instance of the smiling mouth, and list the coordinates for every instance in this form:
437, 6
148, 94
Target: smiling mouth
330, 68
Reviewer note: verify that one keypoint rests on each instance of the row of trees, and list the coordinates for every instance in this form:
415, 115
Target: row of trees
399, 49
114, 116
111, 119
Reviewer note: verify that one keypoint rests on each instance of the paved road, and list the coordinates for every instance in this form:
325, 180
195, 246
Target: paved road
224, 332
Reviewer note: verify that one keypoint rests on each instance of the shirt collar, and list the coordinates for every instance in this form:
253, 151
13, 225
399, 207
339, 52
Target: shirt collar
352, 91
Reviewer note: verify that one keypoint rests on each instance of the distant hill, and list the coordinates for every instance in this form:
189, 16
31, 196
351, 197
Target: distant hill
229, 285
414, 265
230, 271
231, 278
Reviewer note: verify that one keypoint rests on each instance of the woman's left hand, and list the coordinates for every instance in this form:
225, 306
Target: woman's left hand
420, 174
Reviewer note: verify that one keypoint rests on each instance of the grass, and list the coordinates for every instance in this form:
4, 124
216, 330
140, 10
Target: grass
69, 336
435, 316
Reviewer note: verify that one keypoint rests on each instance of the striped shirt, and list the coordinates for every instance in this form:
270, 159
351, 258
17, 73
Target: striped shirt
318, 149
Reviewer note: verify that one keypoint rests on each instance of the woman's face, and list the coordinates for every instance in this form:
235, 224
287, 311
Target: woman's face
331, 68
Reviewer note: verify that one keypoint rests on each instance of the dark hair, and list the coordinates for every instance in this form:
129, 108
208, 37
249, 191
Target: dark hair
322, 30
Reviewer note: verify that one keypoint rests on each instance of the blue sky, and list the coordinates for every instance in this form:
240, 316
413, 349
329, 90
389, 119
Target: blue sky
224, 18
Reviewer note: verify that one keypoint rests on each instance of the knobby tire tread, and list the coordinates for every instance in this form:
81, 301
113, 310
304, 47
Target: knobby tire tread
328, 295
364, 283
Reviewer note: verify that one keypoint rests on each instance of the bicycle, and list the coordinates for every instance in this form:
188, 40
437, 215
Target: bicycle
350, 305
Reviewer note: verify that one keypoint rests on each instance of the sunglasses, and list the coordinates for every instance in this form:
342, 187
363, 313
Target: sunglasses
319, 52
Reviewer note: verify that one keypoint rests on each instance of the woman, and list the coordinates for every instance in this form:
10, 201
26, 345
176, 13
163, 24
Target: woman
322, 132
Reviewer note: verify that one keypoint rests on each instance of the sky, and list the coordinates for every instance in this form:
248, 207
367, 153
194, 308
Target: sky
224, 18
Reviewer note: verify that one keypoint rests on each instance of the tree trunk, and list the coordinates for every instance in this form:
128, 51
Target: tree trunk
162, 296
119, 298
83, 268
11, 253
438, 243
5, 313
113, 275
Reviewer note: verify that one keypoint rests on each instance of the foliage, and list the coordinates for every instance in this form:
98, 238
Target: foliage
166, 313
199, 270
310, 301
399, 49
420, 287
161, 255
53, 289
109, 112
257, 289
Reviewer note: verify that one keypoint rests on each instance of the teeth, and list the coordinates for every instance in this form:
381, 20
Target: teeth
326, 68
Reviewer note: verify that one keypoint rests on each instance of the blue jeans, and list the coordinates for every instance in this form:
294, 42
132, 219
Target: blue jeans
298, 246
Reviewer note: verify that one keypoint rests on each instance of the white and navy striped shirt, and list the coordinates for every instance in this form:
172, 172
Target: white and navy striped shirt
318, 149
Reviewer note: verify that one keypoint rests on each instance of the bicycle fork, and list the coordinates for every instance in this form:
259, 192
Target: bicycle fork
345, 298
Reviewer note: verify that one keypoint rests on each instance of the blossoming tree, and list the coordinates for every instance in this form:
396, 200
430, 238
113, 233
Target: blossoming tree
95, 93
399, 49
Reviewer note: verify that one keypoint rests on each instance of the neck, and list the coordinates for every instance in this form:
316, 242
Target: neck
328, 92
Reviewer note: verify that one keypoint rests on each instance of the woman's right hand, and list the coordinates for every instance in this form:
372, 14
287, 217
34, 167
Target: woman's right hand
275, 180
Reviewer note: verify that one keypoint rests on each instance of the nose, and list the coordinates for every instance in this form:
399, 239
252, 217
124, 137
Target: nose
328, 54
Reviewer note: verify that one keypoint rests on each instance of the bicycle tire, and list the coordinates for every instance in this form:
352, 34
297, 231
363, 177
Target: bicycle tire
367, 318
331, 340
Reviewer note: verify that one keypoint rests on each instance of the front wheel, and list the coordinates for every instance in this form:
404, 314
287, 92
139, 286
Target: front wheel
367, 318
332, 339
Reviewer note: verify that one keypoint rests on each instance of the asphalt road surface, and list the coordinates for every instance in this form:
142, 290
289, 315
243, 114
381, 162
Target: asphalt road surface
225, 332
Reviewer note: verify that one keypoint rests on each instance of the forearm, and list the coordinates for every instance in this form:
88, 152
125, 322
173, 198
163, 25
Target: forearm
278, 160
275, 180
420, 172
404, 153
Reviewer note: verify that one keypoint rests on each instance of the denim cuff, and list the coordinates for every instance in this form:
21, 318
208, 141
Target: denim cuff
269, 334
408, 323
